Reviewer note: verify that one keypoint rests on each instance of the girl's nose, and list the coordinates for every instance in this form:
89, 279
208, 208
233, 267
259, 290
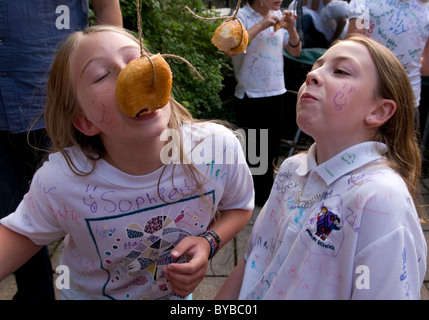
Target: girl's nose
313, 77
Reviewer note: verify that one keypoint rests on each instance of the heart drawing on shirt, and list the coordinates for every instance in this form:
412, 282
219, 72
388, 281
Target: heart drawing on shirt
349, 158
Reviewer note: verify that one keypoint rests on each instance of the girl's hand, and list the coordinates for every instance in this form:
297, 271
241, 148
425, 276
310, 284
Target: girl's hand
288, 20
268, 21
185, 277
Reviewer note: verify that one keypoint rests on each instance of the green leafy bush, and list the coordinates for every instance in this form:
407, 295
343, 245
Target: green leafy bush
169, 28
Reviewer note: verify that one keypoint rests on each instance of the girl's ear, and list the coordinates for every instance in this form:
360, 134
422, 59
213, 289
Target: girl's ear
84, 125
383, 112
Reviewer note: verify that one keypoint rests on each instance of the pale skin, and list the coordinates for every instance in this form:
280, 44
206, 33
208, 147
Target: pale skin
107, 12
95, 64
346, 70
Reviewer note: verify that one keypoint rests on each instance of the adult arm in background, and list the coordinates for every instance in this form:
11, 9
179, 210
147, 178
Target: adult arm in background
107, 12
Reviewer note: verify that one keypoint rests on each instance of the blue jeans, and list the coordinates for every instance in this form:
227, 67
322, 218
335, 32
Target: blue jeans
18, 162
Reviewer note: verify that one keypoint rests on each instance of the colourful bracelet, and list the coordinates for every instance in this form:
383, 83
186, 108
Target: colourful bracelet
211, 243
211, 237
215, 236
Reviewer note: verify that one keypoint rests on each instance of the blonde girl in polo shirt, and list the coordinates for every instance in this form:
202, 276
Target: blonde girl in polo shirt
341, 221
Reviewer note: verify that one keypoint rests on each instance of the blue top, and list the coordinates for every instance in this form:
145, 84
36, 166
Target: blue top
30, 33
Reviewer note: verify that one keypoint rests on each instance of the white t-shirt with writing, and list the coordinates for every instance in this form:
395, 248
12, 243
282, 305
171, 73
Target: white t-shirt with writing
120, 229
361, 239
259, 71
401, 26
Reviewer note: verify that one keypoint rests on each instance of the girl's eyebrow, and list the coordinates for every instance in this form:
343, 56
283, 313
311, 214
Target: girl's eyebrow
321, 60
89, 62
102, 57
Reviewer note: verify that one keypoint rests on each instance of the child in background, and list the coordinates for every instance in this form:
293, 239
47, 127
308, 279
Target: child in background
135, 226
260, 82
341, 220
402, 27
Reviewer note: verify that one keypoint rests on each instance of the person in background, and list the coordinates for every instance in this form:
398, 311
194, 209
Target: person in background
402, 27
324, 21
30, 32
260, 85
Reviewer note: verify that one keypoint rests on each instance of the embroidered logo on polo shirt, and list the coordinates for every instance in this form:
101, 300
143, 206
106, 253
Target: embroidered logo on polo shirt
326, 222
325, 231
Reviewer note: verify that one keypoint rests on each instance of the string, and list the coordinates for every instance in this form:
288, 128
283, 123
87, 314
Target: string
139, 27
142, 50
234, 17
228, 18
140, 34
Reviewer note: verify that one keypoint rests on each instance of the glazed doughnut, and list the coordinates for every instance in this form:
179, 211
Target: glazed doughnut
231, 37
144, 86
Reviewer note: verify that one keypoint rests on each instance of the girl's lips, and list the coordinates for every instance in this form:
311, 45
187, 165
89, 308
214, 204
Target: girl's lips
307, 96
147, 116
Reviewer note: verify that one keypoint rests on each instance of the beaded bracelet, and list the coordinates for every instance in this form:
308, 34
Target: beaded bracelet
211, 237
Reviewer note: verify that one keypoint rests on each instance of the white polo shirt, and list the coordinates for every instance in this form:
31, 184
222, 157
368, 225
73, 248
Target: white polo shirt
360, 240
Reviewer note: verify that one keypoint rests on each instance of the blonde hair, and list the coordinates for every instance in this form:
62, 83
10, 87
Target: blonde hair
62, 105
398, 133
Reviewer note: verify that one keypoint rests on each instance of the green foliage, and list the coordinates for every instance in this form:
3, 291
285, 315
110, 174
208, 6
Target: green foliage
169, 28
